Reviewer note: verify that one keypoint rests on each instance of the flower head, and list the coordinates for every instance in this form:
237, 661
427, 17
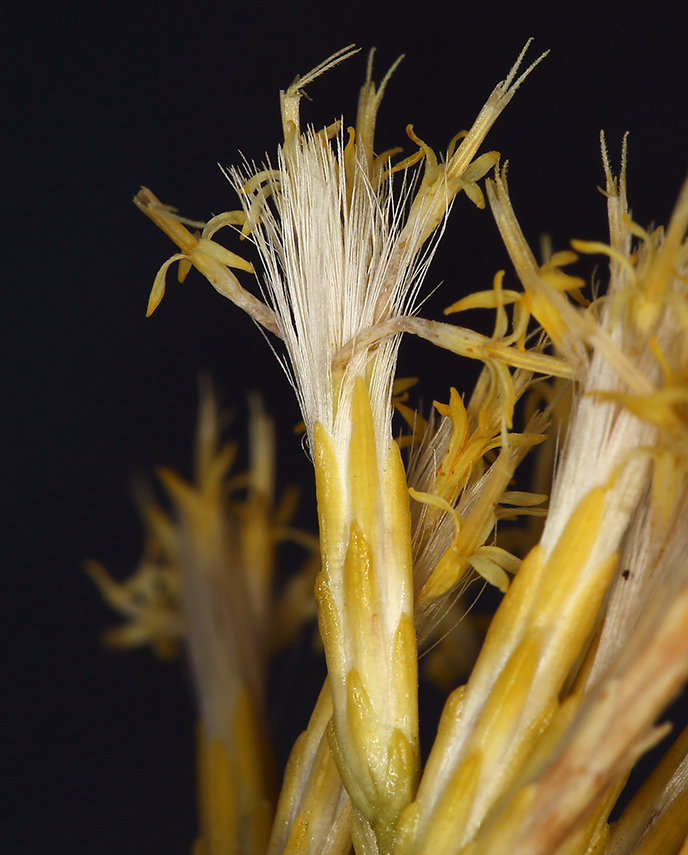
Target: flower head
590, 640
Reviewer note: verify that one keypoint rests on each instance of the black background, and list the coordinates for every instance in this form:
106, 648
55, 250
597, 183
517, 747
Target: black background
102, 99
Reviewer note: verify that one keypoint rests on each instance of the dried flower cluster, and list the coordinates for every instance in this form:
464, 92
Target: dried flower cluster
590, 641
